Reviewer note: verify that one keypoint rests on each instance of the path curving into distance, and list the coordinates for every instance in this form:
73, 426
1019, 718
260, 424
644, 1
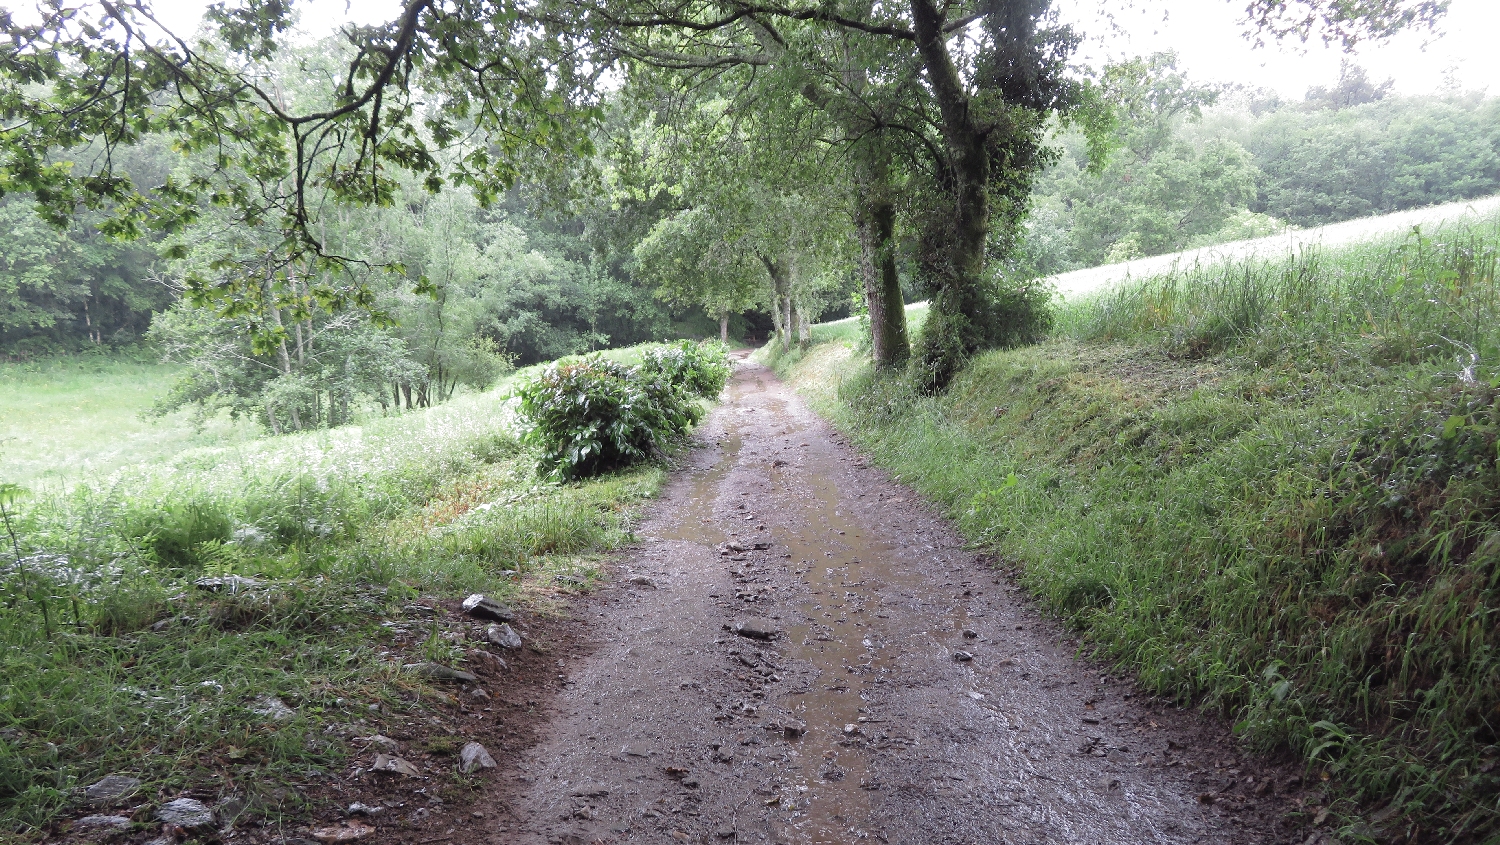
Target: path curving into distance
907, 693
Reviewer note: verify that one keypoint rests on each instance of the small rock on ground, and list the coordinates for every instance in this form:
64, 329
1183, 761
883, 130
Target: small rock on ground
756, 629
394, 765
503, 635
273, 708
111, 789
186, 813
481, 606
351, 832
474, 757
97, 822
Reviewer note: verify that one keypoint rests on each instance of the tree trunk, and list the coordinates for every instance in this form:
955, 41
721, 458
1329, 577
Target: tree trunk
781, 300
724, 327
952, 332
889, 343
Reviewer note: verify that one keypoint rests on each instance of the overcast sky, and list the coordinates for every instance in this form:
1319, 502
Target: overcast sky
1206, 34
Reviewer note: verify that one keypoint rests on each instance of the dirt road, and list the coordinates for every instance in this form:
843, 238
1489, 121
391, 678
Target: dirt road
884, 684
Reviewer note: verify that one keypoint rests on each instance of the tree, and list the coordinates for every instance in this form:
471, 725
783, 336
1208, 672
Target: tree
509, 89
691, 265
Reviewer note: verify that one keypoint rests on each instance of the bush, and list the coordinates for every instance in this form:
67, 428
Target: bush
595, 415
701, 369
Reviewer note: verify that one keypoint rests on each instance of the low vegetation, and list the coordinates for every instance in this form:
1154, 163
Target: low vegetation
120, 658
1267, 488
594, 415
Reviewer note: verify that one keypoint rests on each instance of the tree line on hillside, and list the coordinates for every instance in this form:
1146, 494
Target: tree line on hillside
404, 209
1200, 165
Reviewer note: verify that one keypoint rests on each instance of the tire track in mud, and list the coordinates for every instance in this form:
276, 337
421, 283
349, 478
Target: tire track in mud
906, 694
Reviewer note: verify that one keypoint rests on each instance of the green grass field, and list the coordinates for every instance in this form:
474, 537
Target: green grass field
114, 663
1268, 488
68, 419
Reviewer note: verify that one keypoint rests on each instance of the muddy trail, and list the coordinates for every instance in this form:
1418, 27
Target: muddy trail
798, 652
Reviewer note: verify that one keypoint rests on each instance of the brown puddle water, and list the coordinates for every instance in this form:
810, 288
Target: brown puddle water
850, 577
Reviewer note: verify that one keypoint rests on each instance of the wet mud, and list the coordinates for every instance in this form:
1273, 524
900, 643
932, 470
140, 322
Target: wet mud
798, 652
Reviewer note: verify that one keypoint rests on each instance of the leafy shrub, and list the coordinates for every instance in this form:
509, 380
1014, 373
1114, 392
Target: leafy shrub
701, 369
594, 415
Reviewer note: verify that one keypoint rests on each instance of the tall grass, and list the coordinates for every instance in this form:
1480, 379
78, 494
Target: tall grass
1422, 296
1266, 488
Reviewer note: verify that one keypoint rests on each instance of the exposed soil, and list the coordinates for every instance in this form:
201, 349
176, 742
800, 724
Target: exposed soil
906, 694
796, 651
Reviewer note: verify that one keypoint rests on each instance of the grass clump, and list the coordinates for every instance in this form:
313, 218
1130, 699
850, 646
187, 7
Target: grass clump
1270, 489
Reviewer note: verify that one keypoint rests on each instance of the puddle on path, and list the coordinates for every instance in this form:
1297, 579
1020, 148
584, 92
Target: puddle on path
697, 523
852, 579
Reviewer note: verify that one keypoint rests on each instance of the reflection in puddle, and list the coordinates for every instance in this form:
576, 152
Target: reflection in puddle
697, 523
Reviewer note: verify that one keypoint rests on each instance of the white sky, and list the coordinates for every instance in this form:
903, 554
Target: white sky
1206, 34
1211, 46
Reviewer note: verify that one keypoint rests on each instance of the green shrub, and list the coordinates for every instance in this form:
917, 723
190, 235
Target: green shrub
701, 369
178, 532
595, 415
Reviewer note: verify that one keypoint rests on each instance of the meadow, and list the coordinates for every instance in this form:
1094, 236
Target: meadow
116, 663
1267, 488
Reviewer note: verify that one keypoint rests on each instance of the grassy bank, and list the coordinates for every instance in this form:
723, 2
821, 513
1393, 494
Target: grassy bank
114, 662
1266, 488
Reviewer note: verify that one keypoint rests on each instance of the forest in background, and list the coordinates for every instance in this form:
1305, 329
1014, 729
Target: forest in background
647, 240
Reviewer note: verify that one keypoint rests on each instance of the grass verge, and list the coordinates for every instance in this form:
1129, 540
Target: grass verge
1268, 488
112, 660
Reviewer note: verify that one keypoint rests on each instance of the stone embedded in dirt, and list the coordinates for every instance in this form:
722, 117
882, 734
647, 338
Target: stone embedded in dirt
490, 660
793, 729
760, 546
102, 822
726, 833
474, 757
393, 765
755, 629
1107, 783
635, 751
590, 791
503, 635
186, 813
970, 634
643, 581
481, 606
351, 832
439, 672
273, 708
231, 584
111, 789
358, 809
962, 656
